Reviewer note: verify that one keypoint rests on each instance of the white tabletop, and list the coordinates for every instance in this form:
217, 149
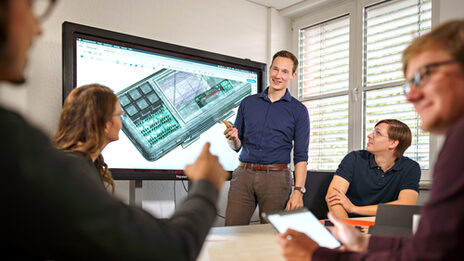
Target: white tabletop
253, 242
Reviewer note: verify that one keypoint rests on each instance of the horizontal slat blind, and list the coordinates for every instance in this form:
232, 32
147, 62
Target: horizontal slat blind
390, 27
324, 53
324, 70
329, 132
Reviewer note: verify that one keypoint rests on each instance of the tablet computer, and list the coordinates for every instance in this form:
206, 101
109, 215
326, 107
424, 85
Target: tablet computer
302, 220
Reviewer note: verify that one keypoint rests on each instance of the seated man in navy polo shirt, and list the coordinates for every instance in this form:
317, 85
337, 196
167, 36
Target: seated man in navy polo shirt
379, 174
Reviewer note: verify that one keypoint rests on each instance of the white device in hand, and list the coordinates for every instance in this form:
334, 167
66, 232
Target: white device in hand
304, 221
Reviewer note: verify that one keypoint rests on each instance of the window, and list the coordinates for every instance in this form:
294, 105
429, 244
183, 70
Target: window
344, 102
329, 131
323, 83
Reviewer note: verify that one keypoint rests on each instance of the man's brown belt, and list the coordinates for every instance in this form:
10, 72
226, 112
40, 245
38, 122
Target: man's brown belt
275, 167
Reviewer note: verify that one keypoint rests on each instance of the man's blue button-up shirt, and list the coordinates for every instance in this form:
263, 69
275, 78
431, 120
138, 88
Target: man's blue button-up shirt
268, 130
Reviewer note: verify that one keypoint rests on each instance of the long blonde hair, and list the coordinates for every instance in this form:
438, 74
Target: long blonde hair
81, 127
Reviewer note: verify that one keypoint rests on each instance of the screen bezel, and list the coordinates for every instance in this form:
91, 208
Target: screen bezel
71, 31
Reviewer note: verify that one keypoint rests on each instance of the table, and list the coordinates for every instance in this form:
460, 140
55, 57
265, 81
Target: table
252, 242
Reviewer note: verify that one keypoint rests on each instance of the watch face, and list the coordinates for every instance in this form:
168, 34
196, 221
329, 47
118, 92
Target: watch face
301, 189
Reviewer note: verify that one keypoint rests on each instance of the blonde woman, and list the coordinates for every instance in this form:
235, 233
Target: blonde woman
90, 119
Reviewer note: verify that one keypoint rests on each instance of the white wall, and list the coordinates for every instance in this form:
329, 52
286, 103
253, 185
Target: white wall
450, 9
232, 27
279, 33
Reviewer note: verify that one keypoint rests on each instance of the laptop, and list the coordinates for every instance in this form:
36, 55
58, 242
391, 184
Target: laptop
394, 220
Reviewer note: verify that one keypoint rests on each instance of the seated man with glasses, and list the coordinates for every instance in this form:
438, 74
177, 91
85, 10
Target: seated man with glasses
379, 174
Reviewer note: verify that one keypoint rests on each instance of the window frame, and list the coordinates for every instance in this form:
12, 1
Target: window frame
355, 11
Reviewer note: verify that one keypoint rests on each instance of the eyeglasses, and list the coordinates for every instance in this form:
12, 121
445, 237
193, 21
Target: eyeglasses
377, 133
42, 8
420, 77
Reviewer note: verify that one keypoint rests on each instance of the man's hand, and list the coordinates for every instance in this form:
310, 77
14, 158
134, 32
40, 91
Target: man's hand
295, 201
339, 198
231, 135
296, 245
207, 167
351, 238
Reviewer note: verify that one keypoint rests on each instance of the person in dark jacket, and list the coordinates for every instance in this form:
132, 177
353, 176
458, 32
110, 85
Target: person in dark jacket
53, 205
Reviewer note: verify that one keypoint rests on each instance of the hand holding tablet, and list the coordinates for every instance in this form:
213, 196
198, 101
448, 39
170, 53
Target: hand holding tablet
302, 220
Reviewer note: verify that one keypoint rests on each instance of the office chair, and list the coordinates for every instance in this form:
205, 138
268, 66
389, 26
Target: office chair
317, 183
394, 220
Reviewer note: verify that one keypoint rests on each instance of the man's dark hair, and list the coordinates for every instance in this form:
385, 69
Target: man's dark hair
287, 54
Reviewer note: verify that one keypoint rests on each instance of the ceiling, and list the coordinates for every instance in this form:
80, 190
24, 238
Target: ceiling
277, 4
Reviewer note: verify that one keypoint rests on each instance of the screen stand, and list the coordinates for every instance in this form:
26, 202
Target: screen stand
135, 193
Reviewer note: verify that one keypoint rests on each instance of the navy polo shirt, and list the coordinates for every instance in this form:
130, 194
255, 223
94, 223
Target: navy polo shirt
268, 130
369, 185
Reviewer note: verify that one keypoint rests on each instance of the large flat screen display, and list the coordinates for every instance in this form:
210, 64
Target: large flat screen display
173, 98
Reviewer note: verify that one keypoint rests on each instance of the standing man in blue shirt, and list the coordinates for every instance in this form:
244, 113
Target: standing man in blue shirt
379, 174
267, 127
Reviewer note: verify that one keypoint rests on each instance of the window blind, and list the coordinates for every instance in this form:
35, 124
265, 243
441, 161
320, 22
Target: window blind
324, 53
323, 74
389, 29
329, 132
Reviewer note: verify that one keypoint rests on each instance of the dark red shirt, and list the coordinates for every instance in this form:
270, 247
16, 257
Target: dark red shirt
440, 235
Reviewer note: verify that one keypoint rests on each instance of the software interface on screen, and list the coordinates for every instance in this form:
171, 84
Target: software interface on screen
172, 105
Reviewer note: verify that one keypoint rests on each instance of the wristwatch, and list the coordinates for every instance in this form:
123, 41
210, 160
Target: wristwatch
301, 189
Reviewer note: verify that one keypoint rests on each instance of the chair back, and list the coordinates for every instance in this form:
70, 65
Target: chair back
394, 220
317, 183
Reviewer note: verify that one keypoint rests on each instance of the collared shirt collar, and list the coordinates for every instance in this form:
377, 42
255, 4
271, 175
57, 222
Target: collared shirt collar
287, 96
373, 164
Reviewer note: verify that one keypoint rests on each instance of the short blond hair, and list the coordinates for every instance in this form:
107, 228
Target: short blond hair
448, 37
